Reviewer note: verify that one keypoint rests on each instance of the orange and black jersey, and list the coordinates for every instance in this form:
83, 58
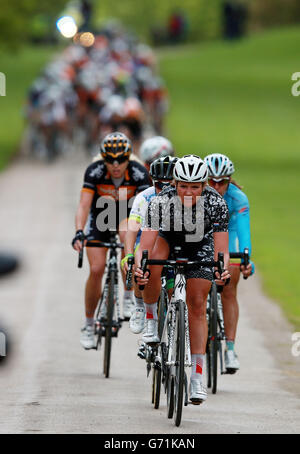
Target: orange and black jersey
98, 181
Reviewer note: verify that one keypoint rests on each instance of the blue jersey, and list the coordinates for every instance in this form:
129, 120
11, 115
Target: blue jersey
239, 220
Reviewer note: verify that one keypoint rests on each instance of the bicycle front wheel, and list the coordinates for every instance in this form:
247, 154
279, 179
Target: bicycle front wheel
179, 362
108, 329
214, 337
157, 367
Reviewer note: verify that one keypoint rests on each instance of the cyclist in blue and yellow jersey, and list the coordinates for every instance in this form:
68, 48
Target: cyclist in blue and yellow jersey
109, 186
161, 172
220, 170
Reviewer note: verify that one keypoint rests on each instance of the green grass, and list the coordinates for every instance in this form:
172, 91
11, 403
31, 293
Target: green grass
235, 98
20, 69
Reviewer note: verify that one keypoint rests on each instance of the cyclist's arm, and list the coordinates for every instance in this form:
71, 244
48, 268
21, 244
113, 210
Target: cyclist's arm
133, 228
148, 239
83, 209
220, 218
243, 226
221, 240
243, 231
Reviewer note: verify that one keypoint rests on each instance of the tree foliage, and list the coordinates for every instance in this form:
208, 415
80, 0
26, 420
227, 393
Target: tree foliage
16, 18
203, 16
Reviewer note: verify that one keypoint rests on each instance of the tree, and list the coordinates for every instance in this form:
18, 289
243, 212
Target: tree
16, 18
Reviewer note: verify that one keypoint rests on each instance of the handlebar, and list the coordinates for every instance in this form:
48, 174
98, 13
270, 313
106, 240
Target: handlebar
109, 245
129, 273
244, 256
181, 261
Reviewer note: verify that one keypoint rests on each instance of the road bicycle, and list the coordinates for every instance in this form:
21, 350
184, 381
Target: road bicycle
149, 352
216, 330
108, 318
174, 353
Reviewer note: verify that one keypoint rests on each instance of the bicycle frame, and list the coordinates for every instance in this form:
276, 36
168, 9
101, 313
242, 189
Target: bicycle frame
179, 294
111, 266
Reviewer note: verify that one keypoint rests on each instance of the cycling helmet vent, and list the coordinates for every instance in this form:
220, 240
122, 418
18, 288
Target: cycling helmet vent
116, 145
219, 165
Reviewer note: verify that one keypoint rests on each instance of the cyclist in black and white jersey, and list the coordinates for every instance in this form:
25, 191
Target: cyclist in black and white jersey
194, 216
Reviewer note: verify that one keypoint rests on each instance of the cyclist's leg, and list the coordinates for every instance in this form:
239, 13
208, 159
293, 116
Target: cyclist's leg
230, 303
160, 251
152, 290
97, 260
231, 315
122, 231
196, 295
128, 300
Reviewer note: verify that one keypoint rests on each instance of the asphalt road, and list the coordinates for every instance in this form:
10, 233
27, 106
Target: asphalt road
49, 384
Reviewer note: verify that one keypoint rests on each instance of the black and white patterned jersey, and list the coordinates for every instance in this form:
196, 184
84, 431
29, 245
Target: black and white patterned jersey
188, 226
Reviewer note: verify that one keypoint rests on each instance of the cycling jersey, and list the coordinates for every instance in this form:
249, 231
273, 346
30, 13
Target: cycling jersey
239, 220
193, 228
111, 204
139, 208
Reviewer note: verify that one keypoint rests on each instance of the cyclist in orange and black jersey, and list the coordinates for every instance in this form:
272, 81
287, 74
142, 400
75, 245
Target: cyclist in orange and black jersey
108, 190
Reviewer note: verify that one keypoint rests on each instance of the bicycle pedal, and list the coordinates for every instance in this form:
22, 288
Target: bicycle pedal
231, 371
195, 403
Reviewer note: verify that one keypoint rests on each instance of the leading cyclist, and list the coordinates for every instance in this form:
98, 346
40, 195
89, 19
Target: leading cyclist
195, 217
220, 170
109, 186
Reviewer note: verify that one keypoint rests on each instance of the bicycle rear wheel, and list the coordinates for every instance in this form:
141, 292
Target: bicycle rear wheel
179, 362
108, 329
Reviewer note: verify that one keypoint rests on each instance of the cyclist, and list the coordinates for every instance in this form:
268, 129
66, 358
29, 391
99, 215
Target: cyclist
195, 217
155, 147
220, 170
109, 184
161, 172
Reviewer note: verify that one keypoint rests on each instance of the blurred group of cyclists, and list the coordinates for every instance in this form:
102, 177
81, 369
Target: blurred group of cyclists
101, 84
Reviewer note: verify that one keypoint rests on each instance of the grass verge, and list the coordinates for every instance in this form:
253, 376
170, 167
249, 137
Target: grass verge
20, 69
235, 98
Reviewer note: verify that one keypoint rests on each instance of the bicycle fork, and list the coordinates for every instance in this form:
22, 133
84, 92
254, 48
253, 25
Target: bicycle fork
221, 333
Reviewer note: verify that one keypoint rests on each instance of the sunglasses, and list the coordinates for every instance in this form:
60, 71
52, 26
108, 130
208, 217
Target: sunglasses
161, 184
119, 160
220, 182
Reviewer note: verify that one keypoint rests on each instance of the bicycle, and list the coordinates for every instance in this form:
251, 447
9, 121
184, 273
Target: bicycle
174, 347
150, 352
216, 330
108, 319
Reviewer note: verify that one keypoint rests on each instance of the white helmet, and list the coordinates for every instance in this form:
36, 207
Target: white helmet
155, 147
191, 168
219, 165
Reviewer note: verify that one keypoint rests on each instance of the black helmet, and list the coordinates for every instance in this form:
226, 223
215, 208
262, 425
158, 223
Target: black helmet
162, 168
115, 146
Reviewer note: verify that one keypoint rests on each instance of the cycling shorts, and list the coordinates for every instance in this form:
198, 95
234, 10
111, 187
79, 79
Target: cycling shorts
194, 271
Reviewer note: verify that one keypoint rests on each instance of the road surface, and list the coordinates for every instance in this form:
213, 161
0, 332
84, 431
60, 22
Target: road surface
51, 385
